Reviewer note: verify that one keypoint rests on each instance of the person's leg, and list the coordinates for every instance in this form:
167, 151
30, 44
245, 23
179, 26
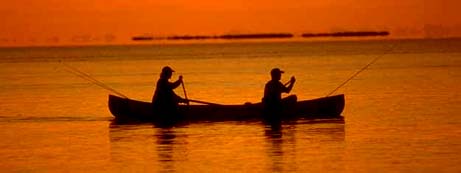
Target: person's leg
289, 106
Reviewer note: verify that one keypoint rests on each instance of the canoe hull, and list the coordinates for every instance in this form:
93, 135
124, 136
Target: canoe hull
128, 109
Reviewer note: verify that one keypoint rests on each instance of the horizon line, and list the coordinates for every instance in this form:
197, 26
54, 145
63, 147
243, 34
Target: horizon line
179, 42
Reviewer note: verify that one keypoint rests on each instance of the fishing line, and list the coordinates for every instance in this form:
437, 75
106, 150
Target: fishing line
87, 77
362, 69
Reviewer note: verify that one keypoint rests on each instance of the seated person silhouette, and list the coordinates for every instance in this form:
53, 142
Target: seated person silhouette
165, 101
273, 104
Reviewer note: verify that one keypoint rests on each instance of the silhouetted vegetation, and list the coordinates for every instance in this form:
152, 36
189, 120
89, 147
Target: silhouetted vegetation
256, 36
190, 37
347, 34
226, 36
142, 38
232, 36
262, 36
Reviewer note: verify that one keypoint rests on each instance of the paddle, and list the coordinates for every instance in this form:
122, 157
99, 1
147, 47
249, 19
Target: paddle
204, 102
184, 89
195, 101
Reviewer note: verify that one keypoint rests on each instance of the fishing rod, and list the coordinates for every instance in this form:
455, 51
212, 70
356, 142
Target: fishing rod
88, 77
362, 69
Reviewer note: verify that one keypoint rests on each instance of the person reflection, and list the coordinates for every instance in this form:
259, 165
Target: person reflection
165, 142
273, 133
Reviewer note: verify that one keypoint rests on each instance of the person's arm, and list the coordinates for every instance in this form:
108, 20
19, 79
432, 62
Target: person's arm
176, 84
290, 85
180, 99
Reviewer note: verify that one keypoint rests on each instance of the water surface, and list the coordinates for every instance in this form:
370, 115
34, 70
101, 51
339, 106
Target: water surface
401, 113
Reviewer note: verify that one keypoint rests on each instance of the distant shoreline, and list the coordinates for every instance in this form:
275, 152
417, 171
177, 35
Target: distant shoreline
219, 41
264, 36
348, 34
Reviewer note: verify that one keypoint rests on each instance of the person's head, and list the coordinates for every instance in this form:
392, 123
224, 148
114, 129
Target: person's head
167, 72
276, 74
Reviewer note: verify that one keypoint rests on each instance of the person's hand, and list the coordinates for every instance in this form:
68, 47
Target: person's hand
293, 79
183, 100
180, 78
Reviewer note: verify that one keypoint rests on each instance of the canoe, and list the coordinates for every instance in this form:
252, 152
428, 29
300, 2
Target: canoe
128, 109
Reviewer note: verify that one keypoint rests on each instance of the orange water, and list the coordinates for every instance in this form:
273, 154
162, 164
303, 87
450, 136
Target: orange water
401, 113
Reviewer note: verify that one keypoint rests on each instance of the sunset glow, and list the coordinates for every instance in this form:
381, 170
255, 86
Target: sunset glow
52, 22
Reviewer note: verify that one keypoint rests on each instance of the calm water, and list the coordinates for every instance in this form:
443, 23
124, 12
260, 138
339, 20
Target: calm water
402, 114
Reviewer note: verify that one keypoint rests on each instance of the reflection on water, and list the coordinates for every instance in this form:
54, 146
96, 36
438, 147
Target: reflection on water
170, 148
223, 146
273, 133
281, 139
165, 142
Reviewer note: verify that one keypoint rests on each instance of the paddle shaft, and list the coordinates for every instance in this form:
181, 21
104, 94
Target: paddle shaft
185, 93
195, 101
203, 102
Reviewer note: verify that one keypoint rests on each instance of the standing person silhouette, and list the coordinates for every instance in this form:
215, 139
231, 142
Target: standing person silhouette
165, 101
272, 101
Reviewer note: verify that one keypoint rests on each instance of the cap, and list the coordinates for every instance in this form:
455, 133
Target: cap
276, 71
167, 69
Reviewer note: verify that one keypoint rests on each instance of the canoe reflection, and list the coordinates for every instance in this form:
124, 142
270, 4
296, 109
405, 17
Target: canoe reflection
214, 146
144, 147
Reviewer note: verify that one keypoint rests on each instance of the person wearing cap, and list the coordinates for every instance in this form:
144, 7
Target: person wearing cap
165, 101
272, 100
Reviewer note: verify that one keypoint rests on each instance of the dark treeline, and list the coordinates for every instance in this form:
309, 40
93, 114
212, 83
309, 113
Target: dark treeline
190, 37
262, 36
232, 36
256, 36
142, 38
347, 34
205, 37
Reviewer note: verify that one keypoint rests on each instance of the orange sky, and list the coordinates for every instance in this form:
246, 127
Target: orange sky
45, 22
